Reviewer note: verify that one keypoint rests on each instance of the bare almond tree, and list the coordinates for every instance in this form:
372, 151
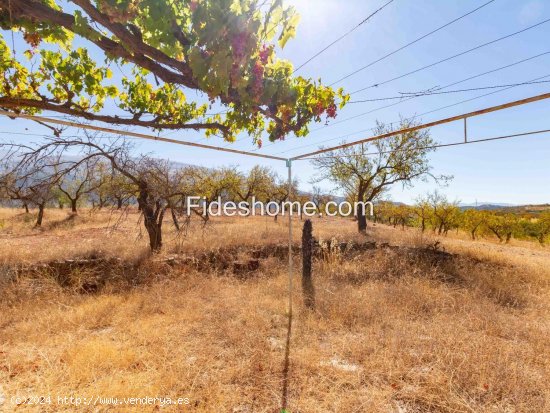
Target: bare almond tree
320, 199
146, 174
80, 181
31, 185
367, 171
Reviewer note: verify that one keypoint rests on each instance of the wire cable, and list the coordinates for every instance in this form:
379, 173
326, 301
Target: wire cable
417, 116
389, 54
344, 35
451, 57
25, 134
430, 93
414, 97
411, 43
442, 145
441, 88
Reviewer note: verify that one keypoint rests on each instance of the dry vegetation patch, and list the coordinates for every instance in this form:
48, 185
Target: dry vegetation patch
399, 326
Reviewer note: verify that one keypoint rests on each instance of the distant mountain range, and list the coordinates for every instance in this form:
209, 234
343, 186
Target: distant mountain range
507, 207
486, 204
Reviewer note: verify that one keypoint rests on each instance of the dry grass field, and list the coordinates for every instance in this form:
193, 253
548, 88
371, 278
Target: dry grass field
411, 324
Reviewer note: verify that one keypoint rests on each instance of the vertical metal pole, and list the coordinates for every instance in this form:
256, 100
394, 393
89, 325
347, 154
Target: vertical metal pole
465, 130
286, 365
290, 264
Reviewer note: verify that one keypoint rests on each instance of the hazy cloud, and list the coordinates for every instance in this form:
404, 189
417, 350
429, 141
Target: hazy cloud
531, 12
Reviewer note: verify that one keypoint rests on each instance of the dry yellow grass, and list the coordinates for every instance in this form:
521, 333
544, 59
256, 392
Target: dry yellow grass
395, 330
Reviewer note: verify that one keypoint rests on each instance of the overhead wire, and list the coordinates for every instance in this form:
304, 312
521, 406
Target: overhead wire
427, 125
132, 134
361, 23
452, 57
436, 92
411, 43
442, 145
365, 20
414, 97
395, 51
419, 115
24, 133
439, 88
407, 45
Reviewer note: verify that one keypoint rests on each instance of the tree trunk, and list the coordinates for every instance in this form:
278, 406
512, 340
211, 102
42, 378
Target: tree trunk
361, 219
497, 234
206, 212
175, 219
73, 206
152, 218
154, 229
26, 206
40, 215
308, 290
119, 203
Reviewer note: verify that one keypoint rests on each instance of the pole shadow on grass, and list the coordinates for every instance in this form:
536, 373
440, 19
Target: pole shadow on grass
286, 366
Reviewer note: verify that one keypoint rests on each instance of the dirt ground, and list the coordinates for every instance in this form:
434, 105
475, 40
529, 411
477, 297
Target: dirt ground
403, 322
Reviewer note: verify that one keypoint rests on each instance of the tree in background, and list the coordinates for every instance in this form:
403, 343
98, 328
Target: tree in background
445, 214
382, 212
116, 189
29, 183
395, 214
403, 215
9, 192
369, 171
167, 191
255, 184
167, 51
422, 210
320, 199
146, 174
474, 221
436, 212
542, 227
80, 182
279, 192
211, 184
503, 226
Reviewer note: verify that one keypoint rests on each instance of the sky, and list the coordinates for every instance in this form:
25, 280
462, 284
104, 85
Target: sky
513, 171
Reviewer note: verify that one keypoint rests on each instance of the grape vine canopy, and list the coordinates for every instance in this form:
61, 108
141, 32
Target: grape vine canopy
184, 58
